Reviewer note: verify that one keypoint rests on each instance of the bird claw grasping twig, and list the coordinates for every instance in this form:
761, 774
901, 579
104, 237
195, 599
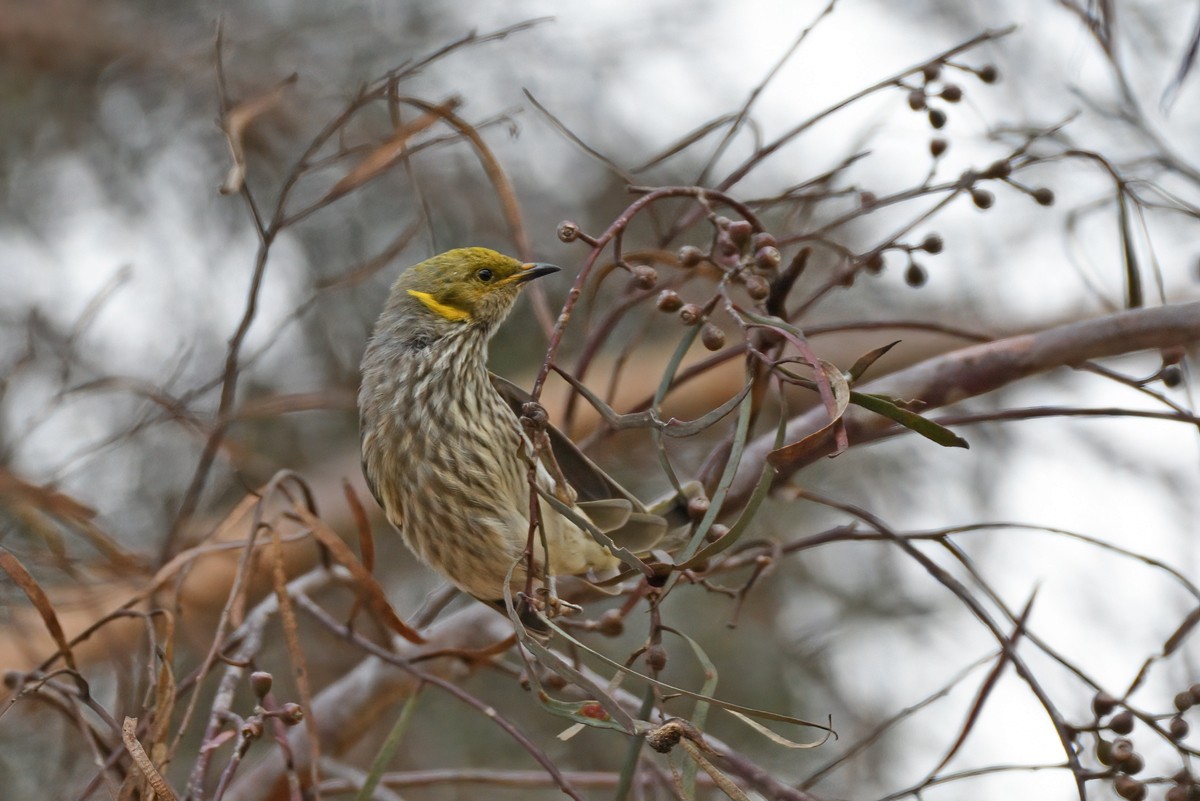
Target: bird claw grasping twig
554, 606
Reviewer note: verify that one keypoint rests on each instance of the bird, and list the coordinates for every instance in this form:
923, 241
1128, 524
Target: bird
445, 454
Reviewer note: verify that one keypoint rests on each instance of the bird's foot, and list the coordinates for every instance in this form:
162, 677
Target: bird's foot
553, 606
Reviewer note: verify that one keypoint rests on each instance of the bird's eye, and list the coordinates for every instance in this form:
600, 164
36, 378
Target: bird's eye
484, 275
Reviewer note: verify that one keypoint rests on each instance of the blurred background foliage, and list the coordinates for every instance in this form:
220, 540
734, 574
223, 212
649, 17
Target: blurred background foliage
125, 272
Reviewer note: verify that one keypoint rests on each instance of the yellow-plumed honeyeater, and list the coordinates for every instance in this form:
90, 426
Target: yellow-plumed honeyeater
444, 452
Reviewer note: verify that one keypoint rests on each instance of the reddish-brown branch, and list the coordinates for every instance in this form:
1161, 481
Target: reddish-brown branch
972, 371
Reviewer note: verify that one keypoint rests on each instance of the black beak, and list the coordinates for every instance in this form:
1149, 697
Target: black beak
534, 270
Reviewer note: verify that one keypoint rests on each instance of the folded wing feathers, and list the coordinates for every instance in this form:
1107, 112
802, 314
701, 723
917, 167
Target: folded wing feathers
612, 508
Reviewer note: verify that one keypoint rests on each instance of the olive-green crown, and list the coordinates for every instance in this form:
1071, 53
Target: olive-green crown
472, 285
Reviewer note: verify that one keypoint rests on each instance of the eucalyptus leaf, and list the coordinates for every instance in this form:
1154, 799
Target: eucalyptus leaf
867, 359
883, 405
763, 714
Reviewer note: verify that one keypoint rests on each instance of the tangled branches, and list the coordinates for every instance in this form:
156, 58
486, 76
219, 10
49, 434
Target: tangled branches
712, 346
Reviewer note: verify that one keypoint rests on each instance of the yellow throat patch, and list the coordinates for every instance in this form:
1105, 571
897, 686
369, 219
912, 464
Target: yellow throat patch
441, 309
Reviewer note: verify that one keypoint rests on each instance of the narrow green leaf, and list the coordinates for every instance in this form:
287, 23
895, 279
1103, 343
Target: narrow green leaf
740, 436
664, 386
778, 739
700, 712
629, 767
587, 713
763, 714
883, 405
866, 360
761, 490
682, 428
388, 750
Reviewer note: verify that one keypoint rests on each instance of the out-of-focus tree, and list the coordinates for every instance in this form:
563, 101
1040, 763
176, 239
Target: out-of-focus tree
200, 602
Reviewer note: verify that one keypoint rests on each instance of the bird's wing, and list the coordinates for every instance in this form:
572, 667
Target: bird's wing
608, 514
585, 477
392, 512
612, 508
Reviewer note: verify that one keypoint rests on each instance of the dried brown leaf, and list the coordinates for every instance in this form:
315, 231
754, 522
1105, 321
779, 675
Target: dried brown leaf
48, 500
722, 781
238, 119
33, 591
366, 538
129, 735
381, 158
840, 388
367, 584
291, 632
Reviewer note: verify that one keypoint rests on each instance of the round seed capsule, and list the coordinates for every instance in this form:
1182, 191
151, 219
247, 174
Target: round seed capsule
669, 301
740, 232
712, 337
767, 258
568, 231
716, 532
645, 276
690, 255
292, 714
656, 657
1122, 722
1180, 792
763, 240
757, 287
260, 682
1129, 788
1122, 749
1178, 727
915, 275
690, 314
982, 198
1103, 704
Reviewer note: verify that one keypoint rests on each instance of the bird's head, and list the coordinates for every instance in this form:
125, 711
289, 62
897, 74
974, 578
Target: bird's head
467, 286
